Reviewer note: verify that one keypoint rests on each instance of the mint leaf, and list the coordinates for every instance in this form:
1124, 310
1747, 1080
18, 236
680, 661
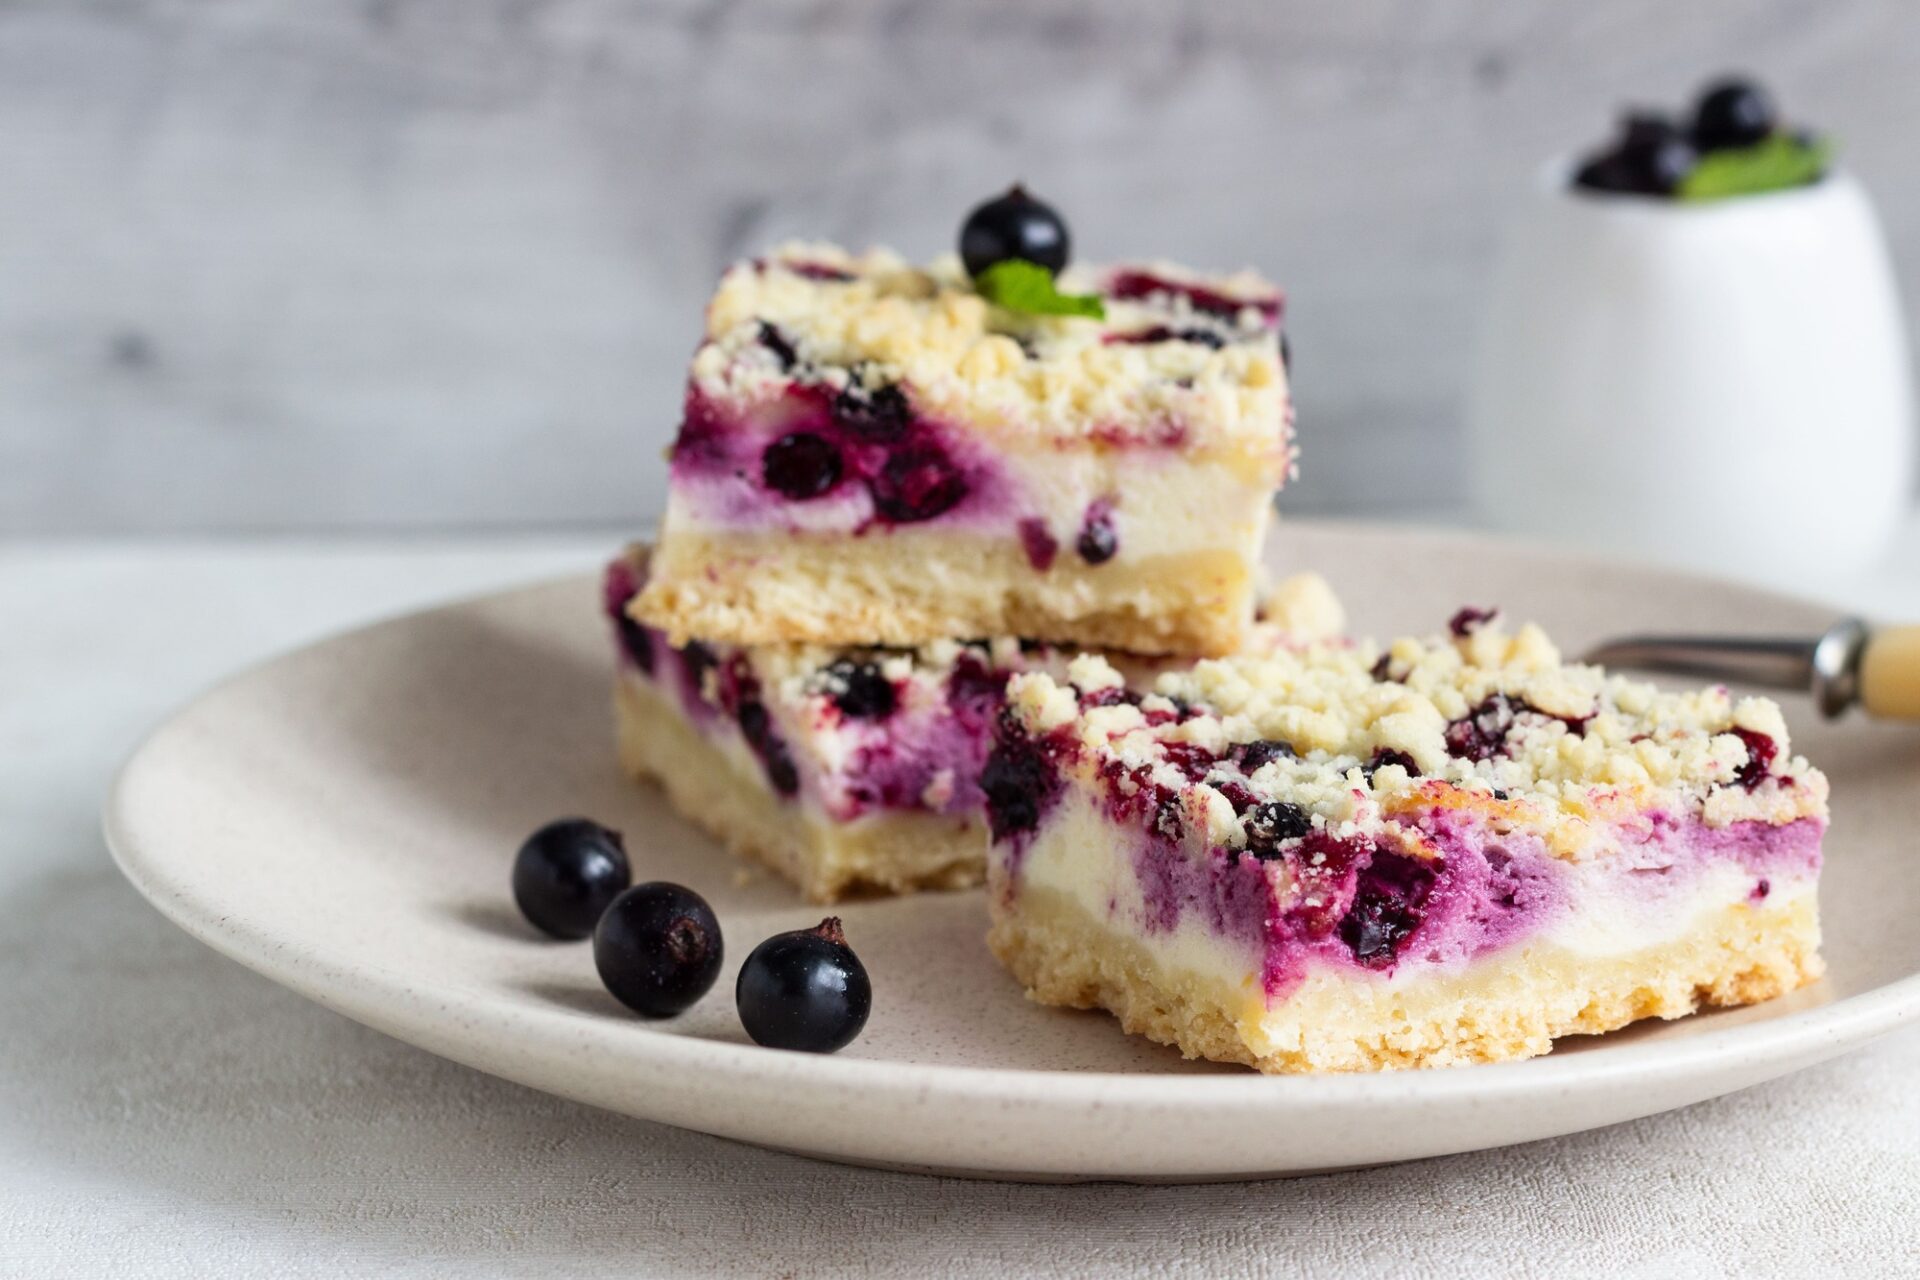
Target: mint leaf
1776, 163
1019, 285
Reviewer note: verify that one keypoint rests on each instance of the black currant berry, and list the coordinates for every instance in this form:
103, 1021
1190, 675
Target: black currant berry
1732, 113
658, 948
804, 990
565, 875
1014, 225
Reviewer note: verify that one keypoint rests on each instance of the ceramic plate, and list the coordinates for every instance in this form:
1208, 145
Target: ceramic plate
343, 819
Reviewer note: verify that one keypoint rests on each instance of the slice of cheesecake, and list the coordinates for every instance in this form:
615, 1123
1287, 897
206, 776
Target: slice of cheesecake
873, 453
1341, 858
851, 768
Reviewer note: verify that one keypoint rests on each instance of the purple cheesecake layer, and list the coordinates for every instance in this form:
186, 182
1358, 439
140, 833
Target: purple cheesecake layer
816, 458
1373, 905
1787, 849
924, 753
923, 761
694, 671
1358, 905
926, 756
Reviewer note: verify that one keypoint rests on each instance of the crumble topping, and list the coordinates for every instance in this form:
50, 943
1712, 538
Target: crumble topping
1179, 359
798, 672
1482, 719
1305, 607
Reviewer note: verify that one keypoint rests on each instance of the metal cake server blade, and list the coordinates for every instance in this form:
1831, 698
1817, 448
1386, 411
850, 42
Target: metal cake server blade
1875, 668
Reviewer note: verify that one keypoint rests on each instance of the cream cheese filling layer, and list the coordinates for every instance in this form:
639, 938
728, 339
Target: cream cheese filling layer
1162, 503
1080, 856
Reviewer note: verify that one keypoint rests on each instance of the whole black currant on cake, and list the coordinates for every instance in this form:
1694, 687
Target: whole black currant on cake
1732, 113
1014, 225
658, 948
565, 875
804, 990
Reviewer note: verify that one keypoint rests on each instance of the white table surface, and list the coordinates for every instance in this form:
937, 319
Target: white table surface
165, 1112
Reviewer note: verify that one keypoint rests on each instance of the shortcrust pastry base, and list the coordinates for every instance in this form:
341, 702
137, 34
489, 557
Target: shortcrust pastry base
889, 852
1513, 1005
904, 589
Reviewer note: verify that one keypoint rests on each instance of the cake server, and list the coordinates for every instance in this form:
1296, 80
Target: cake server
1850, 664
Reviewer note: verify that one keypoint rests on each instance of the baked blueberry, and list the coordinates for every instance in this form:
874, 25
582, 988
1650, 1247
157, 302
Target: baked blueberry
636, 640
781, 770
1761, 751
1732, 112
1237, 795
756, 726
756, 723
1481, 734
565, 875
1098, 540
658, 948
873, 413
1191, 758
699, 658
1014, 225
1273, 822
1384, 756
916, 483
863, 690
775, 341
1039, 543
804, 990
1469, 619
1017, 782
1262, 751
801, 465
1389, 897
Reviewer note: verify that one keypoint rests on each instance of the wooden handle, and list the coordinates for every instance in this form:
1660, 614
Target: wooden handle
1890, 673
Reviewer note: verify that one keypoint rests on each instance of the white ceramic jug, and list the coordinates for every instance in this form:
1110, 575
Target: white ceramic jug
1724, 385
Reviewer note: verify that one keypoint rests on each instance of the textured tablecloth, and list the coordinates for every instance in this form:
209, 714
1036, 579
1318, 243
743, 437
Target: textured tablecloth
165, 1112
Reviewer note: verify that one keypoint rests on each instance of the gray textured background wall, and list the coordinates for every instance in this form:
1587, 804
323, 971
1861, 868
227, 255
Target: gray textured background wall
405, 263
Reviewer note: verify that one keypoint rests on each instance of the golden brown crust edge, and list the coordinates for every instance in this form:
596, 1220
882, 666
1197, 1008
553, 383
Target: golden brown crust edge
1750, 955
1199, 604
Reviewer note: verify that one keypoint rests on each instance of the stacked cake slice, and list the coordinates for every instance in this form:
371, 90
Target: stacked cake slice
873, 453
889, 494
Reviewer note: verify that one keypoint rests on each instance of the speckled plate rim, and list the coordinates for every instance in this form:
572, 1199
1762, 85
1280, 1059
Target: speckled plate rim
1610, 1085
